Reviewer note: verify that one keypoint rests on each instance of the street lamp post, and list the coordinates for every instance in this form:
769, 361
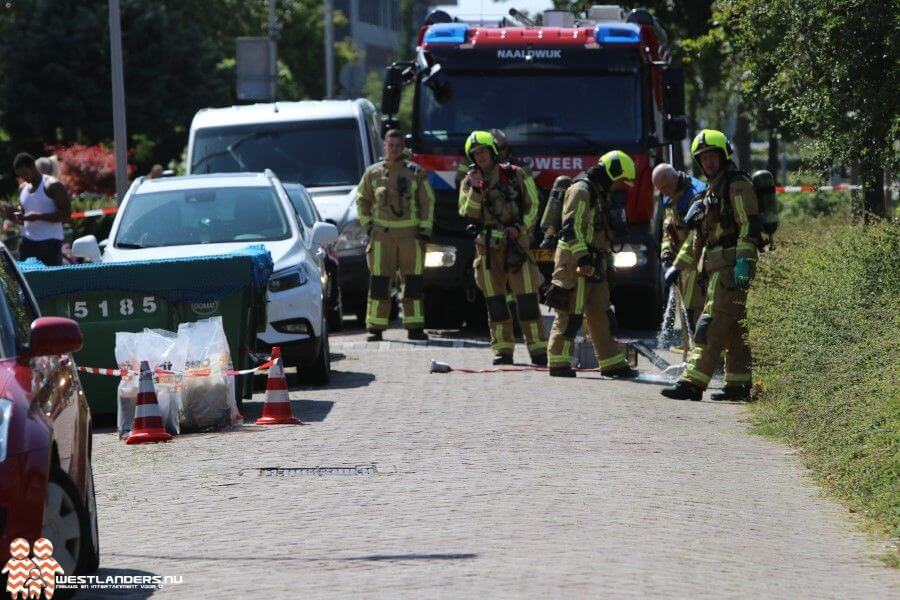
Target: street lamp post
118, 99
329, 49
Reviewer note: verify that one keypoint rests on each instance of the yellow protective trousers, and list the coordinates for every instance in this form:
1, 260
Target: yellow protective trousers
589, 303
721, 328
390, 253
523, 282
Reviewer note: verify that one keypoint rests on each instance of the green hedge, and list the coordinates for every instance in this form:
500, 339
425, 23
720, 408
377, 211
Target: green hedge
824, 323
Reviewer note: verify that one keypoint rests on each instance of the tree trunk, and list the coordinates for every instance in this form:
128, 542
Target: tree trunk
772, 163
742, 139
872, 179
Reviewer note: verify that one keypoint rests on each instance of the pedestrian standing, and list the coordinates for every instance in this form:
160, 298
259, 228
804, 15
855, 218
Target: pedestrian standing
45, 206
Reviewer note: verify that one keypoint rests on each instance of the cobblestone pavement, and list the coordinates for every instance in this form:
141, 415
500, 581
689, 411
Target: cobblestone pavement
487, 485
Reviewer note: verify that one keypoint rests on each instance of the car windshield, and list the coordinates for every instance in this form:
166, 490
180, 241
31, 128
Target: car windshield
302, 204
315, 153
202, 216
581, 109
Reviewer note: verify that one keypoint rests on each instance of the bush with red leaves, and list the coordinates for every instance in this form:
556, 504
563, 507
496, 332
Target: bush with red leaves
90, 169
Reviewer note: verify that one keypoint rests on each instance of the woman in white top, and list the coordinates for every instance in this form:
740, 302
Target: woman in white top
45, 207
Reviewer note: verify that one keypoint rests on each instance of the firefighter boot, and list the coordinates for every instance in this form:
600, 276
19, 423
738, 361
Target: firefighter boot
564, 371
503, 359
539, 360
736, 393
625, 372
417, 334
683, 390
374, 335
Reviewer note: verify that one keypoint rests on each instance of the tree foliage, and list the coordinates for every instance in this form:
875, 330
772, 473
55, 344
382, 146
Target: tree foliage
825, 71
178, 57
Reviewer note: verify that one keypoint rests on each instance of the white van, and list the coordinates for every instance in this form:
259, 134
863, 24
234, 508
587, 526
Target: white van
323, 144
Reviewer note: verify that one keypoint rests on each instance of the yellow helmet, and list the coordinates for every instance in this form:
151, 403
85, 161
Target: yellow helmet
618, 165
710, 139
477, 139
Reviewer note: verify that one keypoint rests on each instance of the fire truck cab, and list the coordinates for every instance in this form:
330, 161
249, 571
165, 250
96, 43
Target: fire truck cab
564, 93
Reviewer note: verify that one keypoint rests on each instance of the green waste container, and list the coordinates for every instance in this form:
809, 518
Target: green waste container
154, 294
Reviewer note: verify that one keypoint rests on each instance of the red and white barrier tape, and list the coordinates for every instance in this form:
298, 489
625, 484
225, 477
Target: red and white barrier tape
97, 212
787, 189
794, 189
124, 372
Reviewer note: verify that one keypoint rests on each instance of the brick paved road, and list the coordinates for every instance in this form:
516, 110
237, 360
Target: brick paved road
500, 485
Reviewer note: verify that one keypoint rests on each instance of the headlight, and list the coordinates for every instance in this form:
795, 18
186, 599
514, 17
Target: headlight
351, 239
631, 255
5, 417
439, 256
289, 278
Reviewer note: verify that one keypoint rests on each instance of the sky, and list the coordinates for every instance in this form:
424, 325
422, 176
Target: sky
474, 8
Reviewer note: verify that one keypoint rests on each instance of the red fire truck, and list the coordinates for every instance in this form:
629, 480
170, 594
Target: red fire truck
564, 93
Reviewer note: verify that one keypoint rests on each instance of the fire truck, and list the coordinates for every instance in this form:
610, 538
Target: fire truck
564, 92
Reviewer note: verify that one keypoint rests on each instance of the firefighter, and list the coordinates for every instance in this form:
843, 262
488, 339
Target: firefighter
678, 189
580, 287
502, 200
395, 205
727, 232
504, 154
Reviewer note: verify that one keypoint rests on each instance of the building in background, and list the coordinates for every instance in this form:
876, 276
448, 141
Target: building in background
375, 28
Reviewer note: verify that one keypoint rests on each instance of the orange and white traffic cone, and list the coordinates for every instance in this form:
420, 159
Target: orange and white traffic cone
148, 426
277, 409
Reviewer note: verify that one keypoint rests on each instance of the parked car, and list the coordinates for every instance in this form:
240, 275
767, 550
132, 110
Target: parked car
46, 476
202, 215
309, 215
323, 144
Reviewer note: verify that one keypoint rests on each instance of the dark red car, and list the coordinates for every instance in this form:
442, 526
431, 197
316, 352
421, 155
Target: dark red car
46, 479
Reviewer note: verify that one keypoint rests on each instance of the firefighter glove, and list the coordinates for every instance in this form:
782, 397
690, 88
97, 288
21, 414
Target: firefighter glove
741, 272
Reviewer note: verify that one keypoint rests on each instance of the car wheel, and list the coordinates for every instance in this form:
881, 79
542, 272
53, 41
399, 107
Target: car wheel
66, 524
93, 555
336, 313
319, 373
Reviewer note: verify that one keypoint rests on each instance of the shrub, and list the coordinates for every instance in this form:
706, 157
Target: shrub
88, 169
823, 318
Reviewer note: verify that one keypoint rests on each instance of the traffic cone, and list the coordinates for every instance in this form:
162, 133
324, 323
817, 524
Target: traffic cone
148, 426
277, 409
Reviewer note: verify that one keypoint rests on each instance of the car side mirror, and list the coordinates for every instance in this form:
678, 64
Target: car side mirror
323, 233
438, 84
54, 335
393, 87
87, 247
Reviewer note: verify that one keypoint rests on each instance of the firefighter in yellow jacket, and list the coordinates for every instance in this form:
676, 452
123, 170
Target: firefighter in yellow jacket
580, 286
727, 231
502, 200
677, 190
395, 205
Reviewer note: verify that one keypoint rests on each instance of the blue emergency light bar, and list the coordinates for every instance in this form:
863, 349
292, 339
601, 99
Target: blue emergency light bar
617, 33
447, 33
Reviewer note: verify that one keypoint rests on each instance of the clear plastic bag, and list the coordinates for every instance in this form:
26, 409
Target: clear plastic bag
161, 350
207, 393
126, 347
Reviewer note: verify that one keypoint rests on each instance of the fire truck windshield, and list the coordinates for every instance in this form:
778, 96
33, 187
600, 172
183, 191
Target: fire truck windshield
582, 110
